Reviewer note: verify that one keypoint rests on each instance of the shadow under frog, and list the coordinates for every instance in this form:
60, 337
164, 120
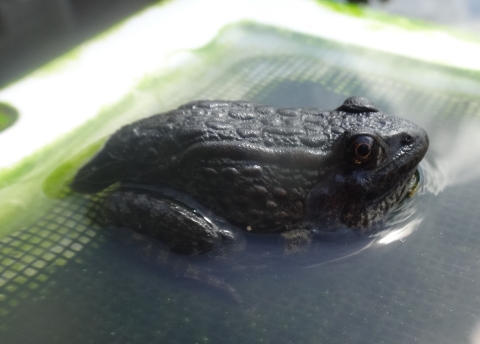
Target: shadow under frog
199, 178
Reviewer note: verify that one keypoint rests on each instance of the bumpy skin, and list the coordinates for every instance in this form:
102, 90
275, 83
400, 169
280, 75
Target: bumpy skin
264, 168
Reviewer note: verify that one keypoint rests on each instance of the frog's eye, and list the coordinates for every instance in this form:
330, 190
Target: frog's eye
362, 150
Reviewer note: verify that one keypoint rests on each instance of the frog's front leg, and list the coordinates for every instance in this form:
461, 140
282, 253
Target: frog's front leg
296, 241
174, 224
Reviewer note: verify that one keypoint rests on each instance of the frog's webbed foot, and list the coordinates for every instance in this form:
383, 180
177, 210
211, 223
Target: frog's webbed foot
197, 274
154, 253
172, 223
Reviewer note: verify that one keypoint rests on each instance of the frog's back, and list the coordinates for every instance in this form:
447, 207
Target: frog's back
226, 128
230, 121
212, 130
203, 122
223, 127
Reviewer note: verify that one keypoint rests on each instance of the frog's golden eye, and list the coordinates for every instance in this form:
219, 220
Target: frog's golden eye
362, 150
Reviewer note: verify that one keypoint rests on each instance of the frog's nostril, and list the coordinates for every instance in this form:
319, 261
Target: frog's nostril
406, 139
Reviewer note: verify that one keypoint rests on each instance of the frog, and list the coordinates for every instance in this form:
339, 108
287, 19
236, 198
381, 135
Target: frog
298, 172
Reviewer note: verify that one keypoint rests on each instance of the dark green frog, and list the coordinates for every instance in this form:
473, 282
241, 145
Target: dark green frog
262, 169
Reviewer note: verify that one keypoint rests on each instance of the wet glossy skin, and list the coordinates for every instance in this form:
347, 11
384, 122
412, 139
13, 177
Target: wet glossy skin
264, 169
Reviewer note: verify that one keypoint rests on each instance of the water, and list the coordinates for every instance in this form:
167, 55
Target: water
65, 279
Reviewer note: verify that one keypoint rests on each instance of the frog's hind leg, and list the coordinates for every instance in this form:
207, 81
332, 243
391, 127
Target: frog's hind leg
197, 274
153, 252
172, 223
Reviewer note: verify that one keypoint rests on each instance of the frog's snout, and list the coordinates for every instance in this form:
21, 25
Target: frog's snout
419, 140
